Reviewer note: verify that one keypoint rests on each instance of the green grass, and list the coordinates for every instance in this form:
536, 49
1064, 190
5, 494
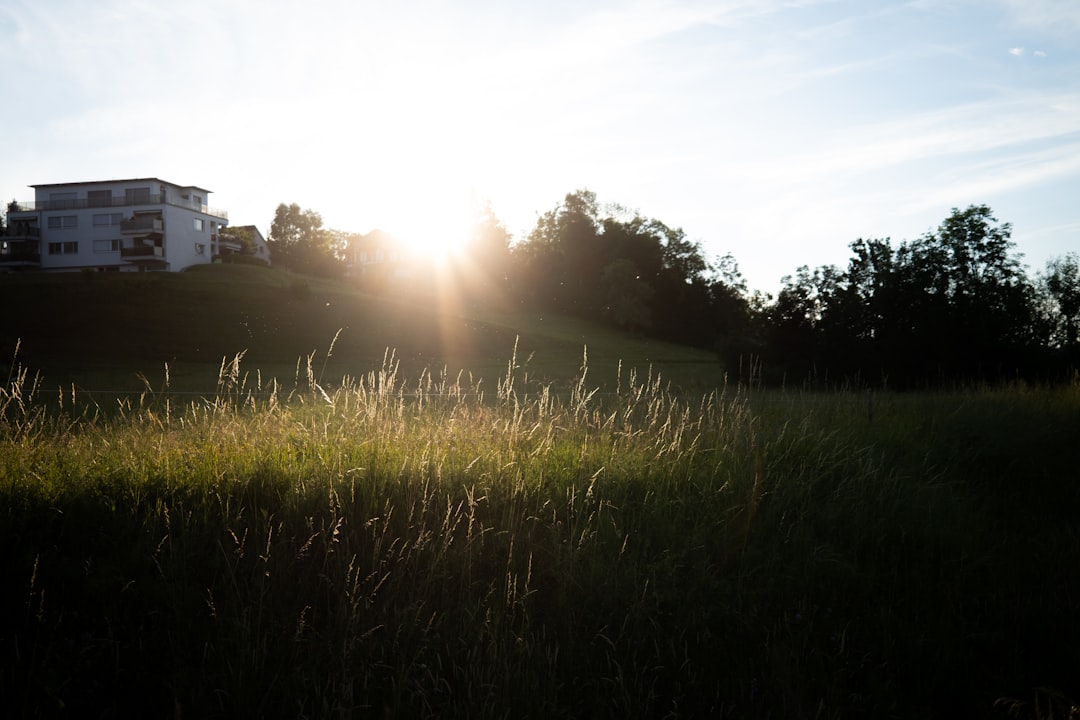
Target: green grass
102, 331
430, 545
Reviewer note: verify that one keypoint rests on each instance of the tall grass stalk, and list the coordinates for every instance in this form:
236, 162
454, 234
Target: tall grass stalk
387, 545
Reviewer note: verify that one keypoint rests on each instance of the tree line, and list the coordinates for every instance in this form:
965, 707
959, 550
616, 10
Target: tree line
955, 305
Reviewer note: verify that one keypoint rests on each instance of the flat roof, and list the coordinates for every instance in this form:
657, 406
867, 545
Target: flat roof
124, 180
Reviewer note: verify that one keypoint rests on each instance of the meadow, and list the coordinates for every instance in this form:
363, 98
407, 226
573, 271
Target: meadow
405, 541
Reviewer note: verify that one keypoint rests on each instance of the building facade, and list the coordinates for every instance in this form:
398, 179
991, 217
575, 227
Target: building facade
113, 225
243, 240
378, 256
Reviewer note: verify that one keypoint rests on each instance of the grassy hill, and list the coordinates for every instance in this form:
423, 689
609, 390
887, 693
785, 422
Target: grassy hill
102, 330
418, 551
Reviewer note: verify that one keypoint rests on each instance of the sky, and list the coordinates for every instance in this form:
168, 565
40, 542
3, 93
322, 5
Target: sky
778, 131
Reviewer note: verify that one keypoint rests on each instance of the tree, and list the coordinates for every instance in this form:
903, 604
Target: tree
864, 294
558, 264
736, 335
859, 328
798, 319
682, 288
298, 241
570, 262
242, 236
627, 295
953, 304
968, 300
1059, 288
487, 255
682, 258
337, 243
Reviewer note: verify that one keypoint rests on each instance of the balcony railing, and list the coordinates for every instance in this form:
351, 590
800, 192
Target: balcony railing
19, 231
228, 244
142, 224
116, 201
142, 251
20, 252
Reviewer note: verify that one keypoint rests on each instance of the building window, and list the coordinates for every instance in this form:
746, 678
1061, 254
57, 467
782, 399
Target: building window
101, 246
108, 219
99, 198
199, 224
137, 196
200, 249
62, 222
63, 248
62, 200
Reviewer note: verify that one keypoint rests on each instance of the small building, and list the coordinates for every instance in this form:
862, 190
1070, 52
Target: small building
112, 225
378, 256
242, 241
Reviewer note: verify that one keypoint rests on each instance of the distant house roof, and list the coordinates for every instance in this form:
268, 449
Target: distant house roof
375, 238
252, 228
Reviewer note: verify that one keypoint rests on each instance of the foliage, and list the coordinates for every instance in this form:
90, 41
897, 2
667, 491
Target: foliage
578, 260
299, 242
626, 295
559, 254
1060, 285
275, 316
338, 242
240, 235
952, 305
487, 254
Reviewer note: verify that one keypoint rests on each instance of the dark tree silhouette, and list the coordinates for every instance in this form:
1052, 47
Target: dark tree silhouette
952, 305
298, 241
1059, 288
560, 254
969, 303
572, 262
626, 295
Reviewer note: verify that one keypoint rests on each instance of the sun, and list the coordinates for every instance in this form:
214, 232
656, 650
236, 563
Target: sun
436, 228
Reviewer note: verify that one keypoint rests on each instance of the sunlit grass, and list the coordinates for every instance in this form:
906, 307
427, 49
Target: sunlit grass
429, 544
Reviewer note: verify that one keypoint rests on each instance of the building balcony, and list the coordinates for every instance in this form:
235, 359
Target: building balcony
116, 201
21, 231
84, 203
227, 246
145, 252
142, 225
20, 253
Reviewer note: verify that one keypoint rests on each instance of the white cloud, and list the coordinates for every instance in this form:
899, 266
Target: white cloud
987, 178
1056, 17
761, 126
1012, 124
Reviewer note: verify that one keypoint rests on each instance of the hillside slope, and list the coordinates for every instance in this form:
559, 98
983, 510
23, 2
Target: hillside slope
96, 328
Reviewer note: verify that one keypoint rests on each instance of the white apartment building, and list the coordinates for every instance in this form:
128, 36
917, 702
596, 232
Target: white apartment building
112, 225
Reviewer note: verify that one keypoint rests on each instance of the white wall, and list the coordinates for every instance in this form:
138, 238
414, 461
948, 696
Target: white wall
185, 245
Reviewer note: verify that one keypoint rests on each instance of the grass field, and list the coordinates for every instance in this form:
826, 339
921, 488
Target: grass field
396, 543
100, 330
